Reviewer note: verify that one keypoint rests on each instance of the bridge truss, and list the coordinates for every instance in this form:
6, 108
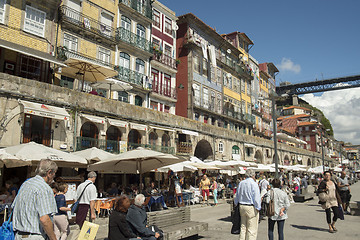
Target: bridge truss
320, 86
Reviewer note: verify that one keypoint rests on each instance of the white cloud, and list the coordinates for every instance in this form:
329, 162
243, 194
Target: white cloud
342, 108
287, 65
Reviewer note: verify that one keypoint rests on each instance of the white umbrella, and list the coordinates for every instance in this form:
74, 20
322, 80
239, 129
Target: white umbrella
112, 85
33, 152
196, 162
178, 167
94, 154
135, 161
229, 165
296, 168
240, 170
263, 168
10, 160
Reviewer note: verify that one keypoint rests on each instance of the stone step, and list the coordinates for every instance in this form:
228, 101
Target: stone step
354, 208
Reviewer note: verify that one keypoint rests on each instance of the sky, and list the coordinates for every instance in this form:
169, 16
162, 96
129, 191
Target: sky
307, 40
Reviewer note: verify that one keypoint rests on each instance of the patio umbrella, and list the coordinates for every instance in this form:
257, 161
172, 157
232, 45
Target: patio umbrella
112, 85
94, 154
90, 71
196, 162
10, 160
33, 152
263, 168
178, 167
228, 165
136, 161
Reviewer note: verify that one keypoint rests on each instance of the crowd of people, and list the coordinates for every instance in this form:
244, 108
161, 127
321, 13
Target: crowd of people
40, 209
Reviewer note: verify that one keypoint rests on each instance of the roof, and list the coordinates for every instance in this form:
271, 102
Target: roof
293, 116
248, 40
291, 107
288, 125
306, 123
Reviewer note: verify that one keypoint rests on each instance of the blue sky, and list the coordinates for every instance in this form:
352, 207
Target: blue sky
307, 39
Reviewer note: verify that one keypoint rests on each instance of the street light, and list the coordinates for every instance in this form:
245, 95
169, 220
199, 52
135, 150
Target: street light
322, 148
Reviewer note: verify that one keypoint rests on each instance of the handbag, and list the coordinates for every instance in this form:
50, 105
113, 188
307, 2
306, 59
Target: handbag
270, 211
6, 229
341, 212
323, 197
235, 219
75, 206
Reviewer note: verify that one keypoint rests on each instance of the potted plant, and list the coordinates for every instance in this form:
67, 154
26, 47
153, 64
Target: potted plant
177, 61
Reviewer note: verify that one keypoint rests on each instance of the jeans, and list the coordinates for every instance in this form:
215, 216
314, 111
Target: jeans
215, 196
271, 225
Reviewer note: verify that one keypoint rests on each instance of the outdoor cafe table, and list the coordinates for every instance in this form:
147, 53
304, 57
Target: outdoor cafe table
104, 203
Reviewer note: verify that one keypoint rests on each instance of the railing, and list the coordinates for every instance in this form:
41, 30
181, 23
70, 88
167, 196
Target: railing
163, 149
184, 147
131, 38
87, 23
107, 145
138, 6
130, 76
240, 68
164, 90
167, 60
64, 53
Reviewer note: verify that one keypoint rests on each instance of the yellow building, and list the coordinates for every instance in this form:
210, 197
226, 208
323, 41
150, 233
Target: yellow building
27, 44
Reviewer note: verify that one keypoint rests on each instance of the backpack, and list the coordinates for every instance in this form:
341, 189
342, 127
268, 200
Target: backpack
6, 229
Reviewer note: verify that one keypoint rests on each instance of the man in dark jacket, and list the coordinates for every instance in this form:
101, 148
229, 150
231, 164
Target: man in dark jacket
137, 220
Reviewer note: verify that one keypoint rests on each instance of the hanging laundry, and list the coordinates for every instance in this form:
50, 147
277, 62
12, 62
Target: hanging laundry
204, 50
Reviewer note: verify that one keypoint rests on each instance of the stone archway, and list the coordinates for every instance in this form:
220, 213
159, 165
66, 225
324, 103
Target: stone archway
203, 150
278, 157
153, 137
134, 139
286, 160
259, 158
309, 163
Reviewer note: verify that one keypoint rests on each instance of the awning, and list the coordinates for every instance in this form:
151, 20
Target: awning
138, 127
45, 110
94, 119
30, 52
117, 123
163, 129
187, 132
248, 145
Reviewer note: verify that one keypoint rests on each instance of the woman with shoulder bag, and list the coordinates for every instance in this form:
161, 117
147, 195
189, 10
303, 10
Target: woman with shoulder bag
281, 205
329, 198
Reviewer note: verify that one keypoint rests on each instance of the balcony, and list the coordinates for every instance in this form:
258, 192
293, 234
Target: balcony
166, 60
132, 39
83, 143
138, 6
86, 25
184, 148
239, 68
163, 149
164, 90
130, 76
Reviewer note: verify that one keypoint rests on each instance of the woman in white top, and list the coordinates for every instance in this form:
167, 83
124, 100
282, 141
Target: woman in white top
281, 205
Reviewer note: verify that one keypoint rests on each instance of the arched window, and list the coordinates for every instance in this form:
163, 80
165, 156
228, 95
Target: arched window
89, 134
235, 150
153, 138
125, 23
165, 140
140, 66
138, 101
113, 136
140, 30
124, 60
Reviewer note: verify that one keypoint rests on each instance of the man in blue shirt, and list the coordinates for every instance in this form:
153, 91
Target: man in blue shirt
248, 196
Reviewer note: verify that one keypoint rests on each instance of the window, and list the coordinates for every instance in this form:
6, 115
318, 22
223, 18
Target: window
140, 66
205, 97
248, 88
205, 67
124, 60
104, 55
196, 94
219, 103
242, 85
196, 63
219, 76
106, 23
167, 109
168, 25
167, 51
155, 80
196, 116
2, 11
235, 150
156, 18
153, 105
70, 42
34, 21
67, 82
167, 85
307, 138
221, 147
156, 42
123, 96
126, 23
307, 128
140, 30
138, 101
30, 67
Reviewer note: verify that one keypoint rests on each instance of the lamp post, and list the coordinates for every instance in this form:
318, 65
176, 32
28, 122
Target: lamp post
322, 148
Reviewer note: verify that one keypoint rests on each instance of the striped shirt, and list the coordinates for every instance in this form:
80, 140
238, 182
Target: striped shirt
34, 200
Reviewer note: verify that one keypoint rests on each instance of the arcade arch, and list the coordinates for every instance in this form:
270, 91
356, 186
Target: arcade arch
203, 150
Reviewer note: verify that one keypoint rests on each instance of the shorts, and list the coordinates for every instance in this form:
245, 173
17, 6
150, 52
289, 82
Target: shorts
345, 196
205, 191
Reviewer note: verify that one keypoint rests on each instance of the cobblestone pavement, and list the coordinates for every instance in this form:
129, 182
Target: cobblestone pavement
306, 222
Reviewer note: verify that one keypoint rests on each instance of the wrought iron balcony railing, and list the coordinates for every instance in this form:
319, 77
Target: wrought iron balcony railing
137, 5
158, 148
130, 76
164, 59
107, 145
184, 147
85, 22
131, 38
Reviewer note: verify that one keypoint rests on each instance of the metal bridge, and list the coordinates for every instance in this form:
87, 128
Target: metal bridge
320, 85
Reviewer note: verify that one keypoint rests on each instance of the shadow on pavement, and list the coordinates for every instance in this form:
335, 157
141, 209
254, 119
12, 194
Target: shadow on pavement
309, 228
313, 205
226, 219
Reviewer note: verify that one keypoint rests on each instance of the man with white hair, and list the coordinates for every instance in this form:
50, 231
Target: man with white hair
248, 196
88, 193
137, 219
34, 205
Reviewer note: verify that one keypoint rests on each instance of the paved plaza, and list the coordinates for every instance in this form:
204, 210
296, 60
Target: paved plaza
306, 222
